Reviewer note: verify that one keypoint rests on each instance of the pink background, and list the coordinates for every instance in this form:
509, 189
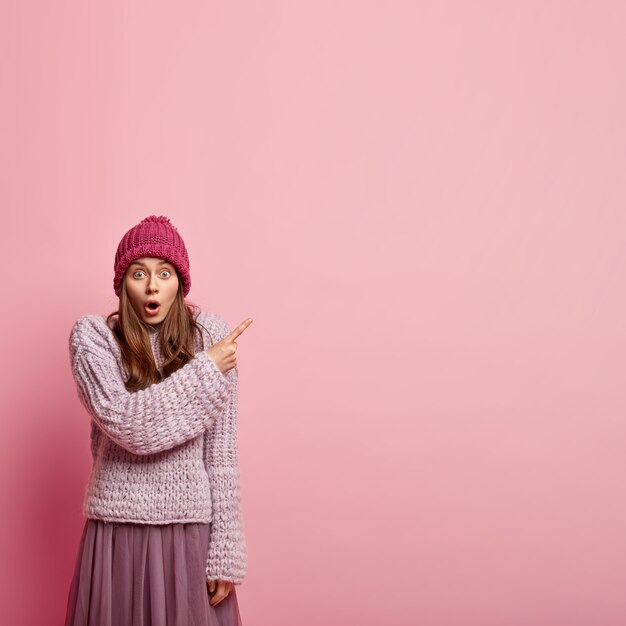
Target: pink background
422, 207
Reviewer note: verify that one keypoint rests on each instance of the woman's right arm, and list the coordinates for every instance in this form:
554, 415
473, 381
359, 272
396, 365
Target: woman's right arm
153, 419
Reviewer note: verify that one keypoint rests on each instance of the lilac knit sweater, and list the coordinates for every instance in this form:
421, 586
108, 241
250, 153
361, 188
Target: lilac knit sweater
167, 453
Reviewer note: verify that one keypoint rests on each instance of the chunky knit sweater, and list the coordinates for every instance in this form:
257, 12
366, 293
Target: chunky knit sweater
166, 453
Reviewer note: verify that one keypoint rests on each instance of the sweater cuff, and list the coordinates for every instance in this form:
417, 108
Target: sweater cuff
215, 384
226, 562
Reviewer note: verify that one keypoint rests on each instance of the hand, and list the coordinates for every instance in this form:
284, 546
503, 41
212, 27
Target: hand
223, 352
223, 589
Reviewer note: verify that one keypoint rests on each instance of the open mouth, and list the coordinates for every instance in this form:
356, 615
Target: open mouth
152, 308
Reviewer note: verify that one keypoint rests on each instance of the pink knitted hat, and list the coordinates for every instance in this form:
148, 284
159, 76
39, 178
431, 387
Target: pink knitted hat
154, 236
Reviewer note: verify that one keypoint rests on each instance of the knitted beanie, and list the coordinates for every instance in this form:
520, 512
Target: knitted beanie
154, 236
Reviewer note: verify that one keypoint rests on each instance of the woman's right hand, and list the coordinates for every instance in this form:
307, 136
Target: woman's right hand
223, 353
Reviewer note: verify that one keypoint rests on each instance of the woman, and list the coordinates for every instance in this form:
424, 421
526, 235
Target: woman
163, 542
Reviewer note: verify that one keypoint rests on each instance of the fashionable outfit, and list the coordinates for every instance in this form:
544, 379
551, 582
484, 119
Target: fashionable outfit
162, 502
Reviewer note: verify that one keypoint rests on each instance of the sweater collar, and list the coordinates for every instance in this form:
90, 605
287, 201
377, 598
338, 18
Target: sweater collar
154, 330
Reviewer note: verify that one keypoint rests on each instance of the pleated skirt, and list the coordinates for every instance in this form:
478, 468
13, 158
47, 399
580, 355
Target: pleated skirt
130, 574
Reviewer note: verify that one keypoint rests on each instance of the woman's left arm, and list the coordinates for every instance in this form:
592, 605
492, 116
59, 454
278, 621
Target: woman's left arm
227, 557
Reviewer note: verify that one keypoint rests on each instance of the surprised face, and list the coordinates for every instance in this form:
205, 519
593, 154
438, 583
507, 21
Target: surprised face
151, 285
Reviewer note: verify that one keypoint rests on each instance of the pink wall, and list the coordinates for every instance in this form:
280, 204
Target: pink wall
422, 207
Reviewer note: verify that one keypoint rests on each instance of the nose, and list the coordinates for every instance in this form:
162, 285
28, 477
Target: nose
152, 284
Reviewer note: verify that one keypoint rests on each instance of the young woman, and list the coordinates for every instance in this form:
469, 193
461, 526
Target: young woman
163, 542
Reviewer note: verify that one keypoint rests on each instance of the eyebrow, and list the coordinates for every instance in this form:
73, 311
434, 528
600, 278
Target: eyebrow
159, 263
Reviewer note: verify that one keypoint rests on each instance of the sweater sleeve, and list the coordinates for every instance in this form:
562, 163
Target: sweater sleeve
227, 557
153, 419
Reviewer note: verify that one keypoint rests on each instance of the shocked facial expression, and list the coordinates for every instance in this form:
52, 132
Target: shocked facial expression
151, 285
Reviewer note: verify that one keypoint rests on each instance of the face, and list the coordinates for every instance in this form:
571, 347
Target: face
151, 279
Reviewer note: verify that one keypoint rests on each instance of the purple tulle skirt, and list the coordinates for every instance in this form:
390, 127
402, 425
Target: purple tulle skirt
145, 575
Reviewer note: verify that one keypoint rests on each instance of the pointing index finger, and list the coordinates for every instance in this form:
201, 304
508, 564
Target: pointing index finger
238, 330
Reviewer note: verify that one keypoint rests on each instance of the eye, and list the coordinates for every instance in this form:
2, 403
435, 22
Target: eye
166, 271
137, 272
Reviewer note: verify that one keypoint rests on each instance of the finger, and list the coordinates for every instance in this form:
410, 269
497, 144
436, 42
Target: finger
235, 333
220, 594
211, 586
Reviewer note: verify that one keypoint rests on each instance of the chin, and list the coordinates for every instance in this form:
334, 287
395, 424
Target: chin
153, 319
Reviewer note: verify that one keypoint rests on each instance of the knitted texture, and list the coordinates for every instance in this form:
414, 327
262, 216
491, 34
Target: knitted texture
154, 236
166, 453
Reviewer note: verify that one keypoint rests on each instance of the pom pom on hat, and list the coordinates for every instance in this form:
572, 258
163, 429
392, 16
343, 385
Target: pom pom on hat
154, 236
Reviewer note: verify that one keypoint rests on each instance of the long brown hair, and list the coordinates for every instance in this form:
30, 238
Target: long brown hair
176, 333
